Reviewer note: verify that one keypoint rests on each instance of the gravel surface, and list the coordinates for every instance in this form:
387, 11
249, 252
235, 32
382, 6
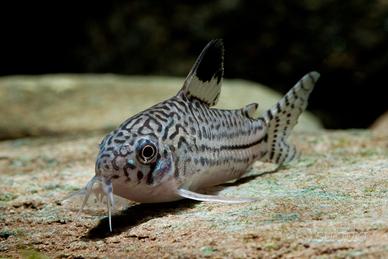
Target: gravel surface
332, 202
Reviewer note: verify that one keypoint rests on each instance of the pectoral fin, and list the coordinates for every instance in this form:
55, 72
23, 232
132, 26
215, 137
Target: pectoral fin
211, 198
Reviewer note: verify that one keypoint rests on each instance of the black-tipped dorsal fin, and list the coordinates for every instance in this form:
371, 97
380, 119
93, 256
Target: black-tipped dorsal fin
205, 78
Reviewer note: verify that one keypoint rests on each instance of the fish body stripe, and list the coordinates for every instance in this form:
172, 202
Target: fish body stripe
206, 138
210, 137
182, 145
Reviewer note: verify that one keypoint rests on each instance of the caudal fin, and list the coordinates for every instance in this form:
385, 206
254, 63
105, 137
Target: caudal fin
282, 118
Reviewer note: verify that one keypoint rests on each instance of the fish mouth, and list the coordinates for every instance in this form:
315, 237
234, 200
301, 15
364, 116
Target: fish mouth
105, 190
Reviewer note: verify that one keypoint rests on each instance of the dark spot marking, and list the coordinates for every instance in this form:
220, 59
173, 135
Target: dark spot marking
154, 120
140, 175
204, 132
182, 141
114, 164
126, 170
303, 86
286, 100
202, 160
169, 125
109, 140
235, 147
176, 132
175, 105
160, 118
150, 179
270, 116
210, 62
278, 107
131, 166
271, 155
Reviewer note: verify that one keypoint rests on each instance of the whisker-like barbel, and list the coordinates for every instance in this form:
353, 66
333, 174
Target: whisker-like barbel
87, 191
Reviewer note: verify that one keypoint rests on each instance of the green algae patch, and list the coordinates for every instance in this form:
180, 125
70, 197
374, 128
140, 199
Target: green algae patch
7, 196
207, 251
32, 254
6, 233
286, 217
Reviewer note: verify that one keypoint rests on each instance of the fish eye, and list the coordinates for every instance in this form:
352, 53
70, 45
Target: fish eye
147, 153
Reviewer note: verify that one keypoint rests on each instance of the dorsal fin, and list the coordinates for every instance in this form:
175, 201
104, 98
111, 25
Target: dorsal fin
205, 78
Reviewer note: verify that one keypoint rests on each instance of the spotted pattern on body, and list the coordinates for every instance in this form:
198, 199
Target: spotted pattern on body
204, 138
179, 146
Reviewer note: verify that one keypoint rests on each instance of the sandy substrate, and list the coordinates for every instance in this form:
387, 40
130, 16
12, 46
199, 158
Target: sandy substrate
332, 202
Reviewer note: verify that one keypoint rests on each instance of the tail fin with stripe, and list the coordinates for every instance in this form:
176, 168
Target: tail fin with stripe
282, 118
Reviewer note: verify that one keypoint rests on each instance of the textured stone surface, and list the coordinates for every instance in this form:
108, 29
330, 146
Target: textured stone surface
69, 104
331, 202
380, 126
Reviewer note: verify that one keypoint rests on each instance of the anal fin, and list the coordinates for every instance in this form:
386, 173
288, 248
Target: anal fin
211, 198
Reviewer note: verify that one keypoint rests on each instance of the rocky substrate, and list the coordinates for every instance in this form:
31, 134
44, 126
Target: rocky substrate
333, 201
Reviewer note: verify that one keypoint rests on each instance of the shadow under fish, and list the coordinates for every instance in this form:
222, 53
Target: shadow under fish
137, 214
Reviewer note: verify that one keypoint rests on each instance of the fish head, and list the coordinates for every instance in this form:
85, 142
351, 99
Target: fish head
133, 161
136, 167
139, 160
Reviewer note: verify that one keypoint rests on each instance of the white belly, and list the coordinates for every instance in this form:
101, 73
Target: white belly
164, 192
211, 177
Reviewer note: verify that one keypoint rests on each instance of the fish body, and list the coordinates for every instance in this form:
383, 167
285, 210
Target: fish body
197, 147
182, 145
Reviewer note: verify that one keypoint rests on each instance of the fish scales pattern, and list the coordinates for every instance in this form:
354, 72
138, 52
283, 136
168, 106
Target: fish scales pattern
208, 139
174, 149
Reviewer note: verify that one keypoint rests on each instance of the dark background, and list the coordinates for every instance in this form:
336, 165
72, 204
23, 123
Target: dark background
271, 42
